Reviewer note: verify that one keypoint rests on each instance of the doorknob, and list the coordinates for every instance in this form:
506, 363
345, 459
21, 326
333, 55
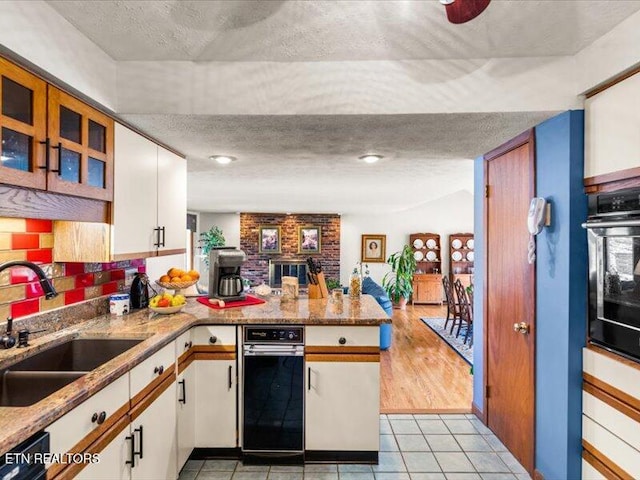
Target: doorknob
521, 327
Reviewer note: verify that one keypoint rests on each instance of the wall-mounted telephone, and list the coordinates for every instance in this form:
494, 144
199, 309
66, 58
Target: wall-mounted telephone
536, 217
535, 221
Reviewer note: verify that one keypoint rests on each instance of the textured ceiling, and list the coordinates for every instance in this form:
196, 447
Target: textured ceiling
297, 163
289, 31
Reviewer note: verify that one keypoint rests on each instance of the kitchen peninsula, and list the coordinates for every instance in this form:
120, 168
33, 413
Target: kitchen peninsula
181, 387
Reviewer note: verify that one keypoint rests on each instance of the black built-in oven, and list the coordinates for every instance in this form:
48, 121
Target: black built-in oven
273, 392
613, 230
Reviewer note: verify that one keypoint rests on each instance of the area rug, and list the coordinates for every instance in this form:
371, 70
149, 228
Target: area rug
462, 349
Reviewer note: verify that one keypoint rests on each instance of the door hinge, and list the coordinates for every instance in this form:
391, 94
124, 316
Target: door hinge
486, 191
486, 391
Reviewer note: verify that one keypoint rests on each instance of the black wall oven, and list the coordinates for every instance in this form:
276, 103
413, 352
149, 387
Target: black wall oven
273, 393
613, 230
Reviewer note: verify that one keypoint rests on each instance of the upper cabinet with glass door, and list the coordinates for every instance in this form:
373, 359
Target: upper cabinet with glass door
81, 141
23, 127
51, 140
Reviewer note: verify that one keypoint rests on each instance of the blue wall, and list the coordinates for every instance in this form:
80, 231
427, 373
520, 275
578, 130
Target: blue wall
561, 295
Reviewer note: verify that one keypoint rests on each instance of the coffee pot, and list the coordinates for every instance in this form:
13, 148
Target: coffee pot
140, 291
230, 286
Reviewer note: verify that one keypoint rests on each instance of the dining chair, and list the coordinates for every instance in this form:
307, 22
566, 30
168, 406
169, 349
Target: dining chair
453, 313
464, 311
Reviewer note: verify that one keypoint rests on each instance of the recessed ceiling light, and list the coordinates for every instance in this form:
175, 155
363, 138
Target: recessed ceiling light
222, 159
371, 158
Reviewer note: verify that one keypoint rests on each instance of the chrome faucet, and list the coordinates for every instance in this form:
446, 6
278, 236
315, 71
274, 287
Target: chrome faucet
47, 287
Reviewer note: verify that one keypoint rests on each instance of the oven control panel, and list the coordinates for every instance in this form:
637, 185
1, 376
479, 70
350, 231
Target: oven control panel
624, 202
276, 334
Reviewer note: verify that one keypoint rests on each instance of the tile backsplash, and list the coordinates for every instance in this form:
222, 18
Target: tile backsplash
32, 240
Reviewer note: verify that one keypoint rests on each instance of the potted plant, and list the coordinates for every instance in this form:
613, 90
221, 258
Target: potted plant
398, 283
210, 239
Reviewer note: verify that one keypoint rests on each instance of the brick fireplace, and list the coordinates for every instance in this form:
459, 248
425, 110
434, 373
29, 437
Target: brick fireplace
256, 268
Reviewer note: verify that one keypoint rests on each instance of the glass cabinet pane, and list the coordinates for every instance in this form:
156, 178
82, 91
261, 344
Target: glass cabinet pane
17, 101
16, 150
69, 165
70, 125
97, 137
96, 172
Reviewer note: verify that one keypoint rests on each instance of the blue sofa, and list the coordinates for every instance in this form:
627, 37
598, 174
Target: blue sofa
369, 287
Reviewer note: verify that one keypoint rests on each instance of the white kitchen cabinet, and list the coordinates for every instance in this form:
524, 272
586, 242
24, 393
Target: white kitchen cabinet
342, 406
113, 461
150, 193
69, 429
157, 439
215, 406
186, 414
612, 129
148, 370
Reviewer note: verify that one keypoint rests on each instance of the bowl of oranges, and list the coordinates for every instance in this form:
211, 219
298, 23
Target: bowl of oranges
178, 279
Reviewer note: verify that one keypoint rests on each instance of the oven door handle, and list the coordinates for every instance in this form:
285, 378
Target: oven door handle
614, 224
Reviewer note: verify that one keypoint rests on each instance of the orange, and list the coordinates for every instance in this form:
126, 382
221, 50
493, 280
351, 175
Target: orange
185, 278
194, 274
176, 280
175, 272
165, 279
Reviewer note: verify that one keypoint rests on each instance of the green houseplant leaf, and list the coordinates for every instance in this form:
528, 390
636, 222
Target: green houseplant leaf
398, 283
210, 239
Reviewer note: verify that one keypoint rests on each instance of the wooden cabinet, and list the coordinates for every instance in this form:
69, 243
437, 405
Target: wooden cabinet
342, 385
51, 140
216, 379
150, 197
427, 288
612, 132
427, 252
461, 258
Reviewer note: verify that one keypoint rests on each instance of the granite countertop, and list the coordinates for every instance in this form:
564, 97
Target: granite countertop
18, 423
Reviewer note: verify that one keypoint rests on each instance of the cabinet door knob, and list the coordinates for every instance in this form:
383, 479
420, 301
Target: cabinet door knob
94, 417
213, 339
159, 370
188, 345
342, 341
102, 417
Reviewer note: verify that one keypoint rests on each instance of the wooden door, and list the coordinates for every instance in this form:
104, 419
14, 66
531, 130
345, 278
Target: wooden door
510, 298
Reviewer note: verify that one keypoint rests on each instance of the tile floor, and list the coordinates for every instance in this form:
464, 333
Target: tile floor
412, 447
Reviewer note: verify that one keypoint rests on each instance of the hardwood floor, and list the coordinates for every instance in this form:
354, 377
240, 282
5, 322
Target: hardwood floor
420, 373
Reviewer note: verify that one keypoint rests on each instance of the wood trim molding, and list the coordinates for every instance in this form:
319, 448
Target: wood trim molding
610, 83
613, 356
612, 391
214, 356
613, 181
26, 203
182, 366
175, 251
132, 256
169, 372
606, 461
599, 466
537, 475
340, 350
144, 403
478, 413
214, 349
525, 137
323, 357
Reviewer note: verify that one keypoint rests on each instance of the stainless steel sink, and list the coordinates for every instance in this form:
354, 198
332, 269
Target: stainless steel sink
34, 378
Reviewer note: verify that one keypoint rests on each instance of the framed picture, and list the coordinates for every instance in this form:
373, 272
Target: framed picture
309, 239
269, 239
374, 248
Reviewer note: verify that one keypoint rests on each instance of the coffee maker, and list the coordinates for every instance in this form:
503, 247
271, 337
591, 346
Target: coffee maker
225, 282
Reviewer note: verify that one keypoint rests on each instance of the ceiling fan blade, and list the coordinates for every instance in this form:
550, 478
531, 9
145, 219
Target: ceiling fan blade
461, 11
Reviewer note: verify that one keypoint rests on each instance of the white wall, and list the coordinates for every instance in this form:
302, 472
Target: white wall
450, 214
158, 266
230, 225
35, 31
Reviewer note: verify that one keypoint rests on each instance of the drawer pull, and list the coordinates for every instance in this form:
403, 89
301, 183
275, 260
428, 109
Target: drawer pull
213, 339
342, 341
188, 345
230, 379
183, 387
159, 370
309, 377
99, 417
